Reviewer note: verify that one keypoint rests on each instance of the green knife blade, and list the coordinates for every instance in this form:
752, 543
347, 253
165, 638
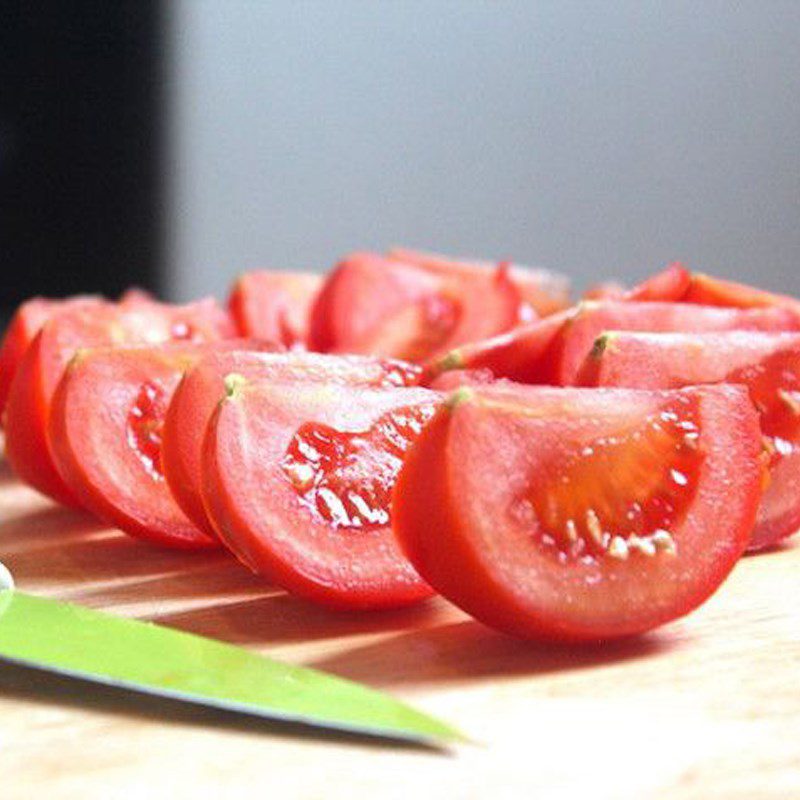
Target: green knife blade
145, 657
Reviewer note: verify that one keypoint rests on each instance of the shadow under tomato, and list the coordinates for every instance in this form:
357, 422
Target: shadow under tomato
71, 552
281, 618
28, 685
467, 650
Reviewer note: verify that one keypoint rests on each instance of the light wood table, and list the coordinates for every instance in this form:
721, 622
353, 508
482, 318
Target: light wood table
706, 708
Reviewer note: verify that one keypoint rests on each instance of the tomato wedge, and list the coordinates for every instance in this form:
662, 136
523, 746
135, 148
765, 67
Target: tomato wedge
523, 354
619, 510
201, 389
767, 363
297, 479
718, 292
274, 306
670, 285
383, 307
110, 457
25, 324
542, 290
576, 338
91, 324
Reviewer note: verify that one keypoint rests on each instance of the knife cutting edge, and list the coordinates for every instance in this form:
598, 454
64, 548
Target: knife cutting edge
80, 642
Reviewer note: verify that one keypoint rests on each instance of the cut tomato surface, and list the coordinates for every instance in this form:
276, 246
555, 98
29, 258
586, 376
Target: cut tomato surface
575, 339
27, 321
523, 354
619, 510
203, 386
378, 306
274, 306
109, 453
768, 364
542, 290
92, 324
297, 479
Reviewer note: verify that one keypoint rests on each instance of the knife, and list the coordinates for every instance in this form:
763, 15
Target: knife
79, 642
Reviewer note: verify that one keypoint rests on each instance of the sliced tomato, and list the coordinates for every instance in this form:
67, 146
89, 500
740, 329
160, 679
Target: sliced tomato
203, 387
93, 324
767, 363
110, 455
542, 290
618, 510
523, 354
378, 306
707, 290
575, 339
670, 285
25, 324
297, 479
274, 306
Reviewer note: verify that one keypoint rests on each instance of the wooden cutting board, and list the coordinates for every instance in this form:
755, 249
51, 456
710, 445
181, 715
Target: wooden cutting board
708, 707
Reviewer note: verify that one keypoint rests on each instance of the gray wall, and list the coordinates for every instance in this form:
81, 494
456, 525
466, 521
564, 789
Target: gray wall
598, 138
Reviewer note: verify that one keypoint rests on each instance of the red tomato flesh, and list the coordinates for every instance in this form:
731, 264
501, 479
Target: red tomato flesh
768, 364
25, 324
202, 388
522, 354
297, 479
618, 510
110, 454
576, 338
274, 306
670, 285
90, 324
542, 290
712, 291
378, 306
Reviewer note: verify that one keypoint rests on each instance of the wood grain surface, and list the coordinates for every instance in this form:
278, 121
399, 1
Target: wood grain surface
708, 707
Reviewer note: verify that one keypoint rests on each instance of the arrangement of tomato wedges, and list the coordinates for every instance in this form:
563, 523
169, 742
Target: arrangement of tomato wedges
413, 424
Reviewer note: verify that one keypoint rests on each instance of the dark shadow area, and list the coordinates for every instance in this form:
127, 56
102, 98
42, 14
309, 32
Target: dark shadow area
33, 686
466, 651
279, 617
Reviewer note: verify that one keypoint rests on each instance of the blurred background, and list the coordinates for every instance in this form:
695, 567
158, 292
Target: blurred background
174, 144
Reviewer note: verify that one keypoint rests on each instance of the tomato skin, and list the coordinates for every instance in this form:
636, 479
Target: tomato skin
378, 306
576, 338
542, 290
203, 386
269, 527
708, 290
485, 560
756, 360
92, 323
670, 285
274, 306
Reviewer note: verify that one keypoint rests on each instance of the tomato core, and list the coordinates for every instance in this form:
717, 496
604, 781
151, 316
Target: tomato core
145, 423
775, 391
621, 495
347, 477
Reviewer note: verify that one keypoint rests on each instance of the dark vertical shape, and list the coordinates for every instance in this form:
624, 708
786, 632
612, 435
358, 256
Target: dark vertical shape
80, 147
